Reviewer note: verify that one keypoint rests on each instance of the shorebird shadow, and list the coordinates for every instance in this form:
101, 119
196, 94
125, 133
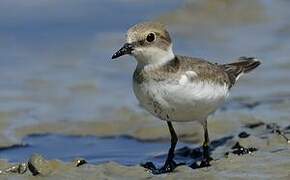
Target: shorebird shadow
191, 156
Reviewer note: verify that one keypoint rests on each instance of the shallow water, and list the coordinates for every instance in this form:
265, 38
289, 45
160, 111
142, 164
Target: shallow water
55, 63
124, 150
56, 66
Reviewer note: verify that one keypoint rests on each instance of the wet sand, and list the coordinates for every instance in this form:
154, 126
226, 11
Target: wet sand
235, 122
269, 161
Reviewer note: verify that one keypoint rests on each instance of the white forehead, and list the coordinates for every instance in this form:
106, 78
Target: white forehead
132, 36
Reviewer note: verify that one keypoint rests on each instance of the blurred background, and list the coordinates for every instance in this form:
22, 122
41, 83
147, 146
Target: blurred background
56, 72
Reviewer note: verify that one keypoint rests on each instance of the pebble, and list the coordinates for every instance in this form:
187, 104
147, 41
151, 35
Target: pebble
15, 169
38, 165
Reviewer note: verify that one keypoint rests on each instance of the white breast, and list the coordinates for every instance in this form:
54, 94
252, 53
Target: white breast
188, 100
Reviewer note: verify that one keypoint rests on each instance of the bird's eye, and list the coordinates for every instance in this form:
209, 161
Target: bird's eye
150, 37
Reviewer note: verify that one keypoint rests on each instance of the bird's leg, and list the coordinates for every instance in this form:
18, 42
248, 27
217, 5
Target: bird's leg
169, 164
206, 156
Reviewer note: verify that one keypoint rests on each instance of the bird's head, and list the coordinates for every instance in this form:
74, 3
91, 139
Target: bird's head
148, 42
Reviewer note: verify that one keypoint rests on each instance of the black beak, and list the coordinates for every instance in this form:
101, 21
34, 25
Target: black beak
126, 49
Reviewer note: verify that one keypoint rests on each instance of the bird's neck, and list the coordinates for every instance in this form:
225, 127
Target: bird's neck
155, 58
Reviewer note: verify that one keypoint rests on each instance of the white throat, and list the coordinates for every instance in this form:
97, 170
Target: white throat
152, 56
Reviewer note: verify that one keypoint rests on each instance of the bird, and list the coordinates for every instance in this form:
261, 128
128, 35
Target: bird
177, 88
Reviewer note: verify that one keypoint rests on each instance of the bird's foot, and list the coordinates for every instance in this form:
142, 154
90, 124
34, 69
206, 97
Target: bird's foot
168, 167
205, 162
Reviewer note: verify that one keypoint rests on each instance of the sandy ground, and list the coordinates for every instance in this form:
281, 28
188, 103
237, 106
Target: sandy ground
260, 165
270, 161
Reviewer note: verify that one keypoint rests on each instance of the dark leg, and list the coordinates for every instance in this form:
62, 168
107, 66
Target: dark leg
206, 157
169, 164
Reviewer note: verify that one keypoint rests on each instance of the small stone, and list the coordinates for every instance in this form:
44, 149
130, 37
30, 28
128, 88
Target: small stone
38, 165
240, 150
237, 146
15, 169
244, 134
79, 162
254, 125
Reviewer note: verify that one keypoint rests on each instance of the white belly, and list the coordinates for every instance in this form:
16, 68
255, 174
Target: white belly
180, 102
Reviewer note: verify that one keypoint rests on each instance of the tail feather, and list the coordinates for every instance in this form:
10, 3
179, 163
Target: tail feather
243, 65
